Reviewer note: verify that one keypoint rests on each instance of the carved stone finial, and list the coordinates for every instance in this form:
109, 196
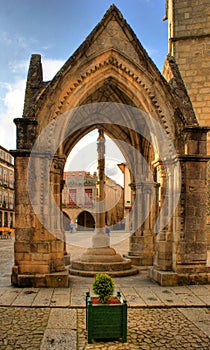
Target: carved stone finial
34, 82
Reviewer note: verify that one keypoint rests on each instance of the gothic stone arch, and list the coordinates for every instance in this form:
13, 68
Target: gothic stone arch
111, 66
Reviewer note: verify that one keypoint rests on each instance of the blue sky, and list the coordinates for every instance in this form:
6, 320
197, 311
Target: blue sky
55, 29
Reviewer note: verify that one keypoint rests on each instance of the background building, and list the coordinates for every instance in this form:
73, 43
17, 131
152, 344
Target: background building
77, 199
7, 214
79, 196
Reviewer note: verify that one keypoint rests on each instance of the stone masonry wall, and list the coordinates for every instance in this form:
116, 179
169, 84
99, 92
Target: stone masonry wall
189, 43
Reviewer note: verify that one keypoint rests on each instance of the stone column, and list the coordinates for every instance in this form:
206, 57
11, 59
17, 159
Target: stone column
38, 253
142, 240
163, 241
181, 248
100, 239
191, 246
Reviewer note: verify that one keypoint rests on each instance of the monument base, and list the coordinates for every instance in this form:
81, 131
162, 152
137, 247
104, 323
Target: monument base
102, 260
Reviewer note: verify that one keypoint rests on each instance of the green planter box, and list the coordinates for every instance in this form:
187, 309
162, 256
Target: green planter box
106, 321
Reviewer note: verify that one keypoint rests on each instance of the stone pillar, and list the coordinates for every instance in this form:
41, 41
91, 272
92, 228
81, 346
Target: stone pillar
142, 241
38, 253
56, 181
191, 248
163, 241
100, 239
181, 248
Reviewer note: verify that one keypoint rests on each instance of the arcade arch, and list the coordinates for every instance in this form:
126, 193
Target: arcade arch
85, 221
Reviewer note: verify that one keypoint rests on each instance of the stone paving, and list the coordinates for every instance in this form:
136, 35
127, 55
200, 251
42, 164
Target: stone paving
158, 317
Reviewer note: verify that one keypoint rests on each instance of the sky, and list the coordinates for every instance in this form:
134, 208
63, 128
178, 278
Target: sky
55, 29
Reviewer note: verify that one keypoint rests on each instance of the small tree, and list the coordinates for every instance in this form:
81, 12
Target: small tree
103, 286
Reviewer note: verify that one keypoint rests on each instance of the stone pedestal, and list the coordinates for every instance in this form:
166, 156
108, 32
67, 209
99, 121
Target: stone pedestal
102, 260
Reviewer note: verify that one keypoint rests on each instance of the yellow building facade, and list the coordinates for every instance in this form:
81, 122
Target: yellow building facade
7, 200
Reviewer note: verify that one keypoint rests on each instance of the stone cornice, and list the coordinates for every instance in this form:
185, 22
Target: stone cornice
189, 37
193, 158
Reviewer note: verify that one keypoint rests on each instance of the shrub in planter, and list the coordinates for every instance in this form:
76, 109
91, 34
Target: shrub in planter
103, 286
105, 320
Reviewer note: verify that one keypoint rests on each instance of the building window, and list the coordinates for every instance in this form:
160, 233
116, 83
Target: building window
6, 177
9, 158
88, 196
2, 154
11, 179
11, 221
72, 196
11, 202
6, 199
1, 175
5, 219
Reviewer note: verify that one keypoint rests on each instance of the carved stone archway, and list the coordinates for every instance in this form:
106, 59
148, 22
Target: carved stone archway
110, 81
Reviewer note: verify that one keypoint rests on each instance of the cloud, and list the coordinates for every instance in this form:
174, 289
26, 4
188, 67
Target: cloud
19, 67
19, 44
12, 98
12, 106
111, 169
51, 67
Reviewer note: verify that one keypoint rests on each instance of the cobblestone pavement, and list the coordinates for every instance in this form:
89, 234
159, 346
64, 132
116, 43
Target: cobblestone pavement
64, 328
152, 329
158, 317
22, 328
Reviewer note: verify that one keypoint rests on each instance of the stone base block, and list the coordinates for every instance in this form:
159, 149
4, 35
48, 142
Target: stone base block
67, 259
51, 280
170, 278
140, 260
164, 278
195, 278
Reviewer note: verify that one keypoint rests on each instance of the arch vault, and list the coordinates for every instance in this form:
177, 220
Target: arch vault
111, 82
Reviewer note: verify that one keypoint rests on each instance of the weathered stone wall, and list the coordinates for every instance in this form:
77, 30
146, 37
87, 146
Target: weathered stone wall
189, 43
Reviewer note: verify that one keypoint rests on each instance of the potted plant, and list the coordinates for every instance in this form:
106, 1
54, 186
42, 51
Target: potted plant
106, 316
